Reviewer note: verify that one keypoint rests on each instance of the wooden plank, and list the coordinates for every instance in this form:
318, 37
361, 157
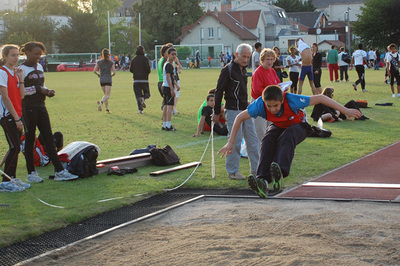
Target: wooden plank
176, 168
130, 164
124, 158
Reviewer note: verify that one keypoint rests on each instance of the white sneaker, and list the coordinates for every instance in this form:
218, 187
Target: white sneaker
34, 177
10, 187
64, 175
22, 184
398, 94
394, 95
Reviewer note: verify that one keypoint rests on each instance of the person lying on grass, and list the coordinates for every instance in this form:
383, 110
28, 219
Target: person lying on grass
288, 129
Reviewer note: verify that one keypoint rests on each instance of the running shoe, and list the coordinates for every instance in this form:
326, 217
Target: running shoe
259, 186
108, 111
99, 105
34, 177
355, 86
22, 184
277, 177
64, 175
170, 128
10, 187
142, 102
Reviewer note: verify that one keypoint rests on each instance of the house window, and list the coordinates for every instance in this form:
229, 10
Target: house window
210, 33
202, 34
281, 14
219, 34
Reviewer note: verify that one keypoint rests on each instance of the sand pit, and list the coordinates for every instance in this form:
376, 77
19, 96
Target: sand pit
248, 232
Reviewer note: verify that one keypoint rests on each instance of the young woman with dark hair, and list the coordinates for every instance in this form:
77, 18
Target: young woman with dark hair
12, 90
35, 113
107, 70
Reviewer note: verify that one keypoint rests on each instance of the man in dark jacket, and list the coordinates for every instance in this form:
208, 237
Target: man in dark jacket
232, 84
140, 67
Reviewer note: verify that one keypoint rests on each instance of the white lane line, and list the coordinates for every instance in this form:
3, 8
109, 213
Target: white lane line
356, 185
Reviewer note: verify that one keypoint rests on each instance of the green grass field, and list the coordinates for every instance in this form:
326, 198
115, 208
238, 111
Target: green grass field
73, 111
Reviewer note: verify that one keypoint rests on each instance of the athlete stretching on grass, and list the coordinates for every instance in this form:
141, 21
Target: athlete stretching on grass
288, 129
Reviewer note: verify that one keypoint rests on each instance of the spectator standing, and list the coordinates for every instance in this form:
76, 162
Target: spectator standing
293, 62
332, 61
232, 84
12, 90
278, 65
255, 57
140, 68
35, 114
372, 58
317, 67
377, 59
358, 59
198, 59
392, 66
264, 76
343, 66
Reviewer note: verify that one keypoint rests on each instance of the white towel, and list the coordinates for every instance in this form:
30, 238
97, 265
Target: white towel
301, 46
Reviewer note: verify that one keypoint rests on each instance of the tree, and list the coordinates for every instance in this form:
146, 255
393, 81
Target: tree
25, 25
126, 38
158, 18
296, 5
49, 7
80, 35
378, 24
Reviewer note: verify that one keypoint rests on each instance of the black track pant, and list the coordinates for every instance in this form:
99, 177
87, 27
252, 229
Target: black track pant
361, 76
13, 137
38, 117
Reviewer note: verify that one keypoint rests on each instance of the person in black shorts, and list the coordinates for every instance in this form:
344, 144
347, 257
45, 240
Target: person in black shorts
168, 90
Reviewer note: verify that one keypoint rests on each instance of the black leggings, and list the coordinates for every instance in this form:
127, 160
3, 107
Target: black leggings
294, 78
38, 117
13, 137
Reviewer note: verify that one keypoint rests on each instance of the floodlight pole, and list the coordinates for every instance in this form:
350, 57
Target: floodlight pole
140, 30
109, 31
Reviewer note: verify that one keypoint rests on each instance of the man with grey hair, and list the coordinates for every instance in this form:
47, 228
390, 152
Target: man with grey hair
232, 84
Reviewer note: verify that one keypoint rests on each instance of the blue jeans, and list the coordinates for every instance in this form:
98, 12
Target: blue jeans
248, 132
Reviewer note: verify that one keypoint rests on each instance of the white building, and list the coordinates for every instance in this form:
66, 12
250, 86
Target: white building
335, 9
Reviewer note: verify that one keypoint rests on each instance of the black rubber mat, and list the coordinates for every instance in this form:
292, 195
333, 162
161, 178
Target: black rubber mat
35, 246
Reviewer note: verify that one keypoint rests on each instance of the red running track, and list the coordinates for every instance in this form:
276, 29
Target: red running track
379, 170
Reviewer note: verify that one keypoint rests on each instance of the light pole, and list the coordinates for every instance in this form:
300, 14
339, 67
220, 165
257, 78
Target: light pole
347, 13
173, 17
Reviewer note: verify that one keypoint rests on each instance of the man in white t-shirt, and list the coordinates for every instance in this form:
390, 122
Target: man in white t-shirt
392, 60
255, 58
358, 59
372, 58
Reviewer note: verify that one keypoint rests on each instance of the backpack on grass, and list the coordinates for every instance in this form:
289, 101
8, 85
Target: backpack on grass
81, 158
164, 156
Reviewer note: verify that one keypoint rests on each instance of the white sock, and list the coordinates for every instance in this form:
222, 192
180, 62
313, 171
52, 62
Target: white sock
168, 124
164, 124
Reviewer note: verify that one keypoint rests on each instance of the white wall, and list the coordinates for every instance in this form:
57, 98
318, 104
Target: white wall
228, 39
336, 12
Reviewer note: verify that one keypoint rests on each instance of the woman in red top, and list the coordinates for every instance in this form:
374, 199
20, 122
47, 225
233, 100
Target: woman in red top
264, 76
12, 91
